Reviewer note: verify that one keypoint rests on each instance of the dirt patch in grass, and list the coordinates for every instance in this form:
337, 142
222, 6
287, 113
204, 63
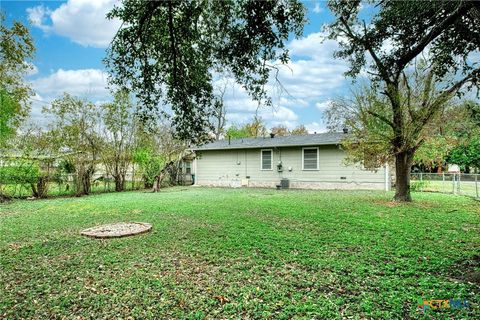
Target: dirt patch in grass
468, 270
388, 203
394, 204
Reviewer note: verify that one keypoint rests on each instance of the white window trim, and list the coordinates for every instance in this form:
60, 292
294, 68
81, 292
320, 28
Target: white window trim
261, 160
318, 158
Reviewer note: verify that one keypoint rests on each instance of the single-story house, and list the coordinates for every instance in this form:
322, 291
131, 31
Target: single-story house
301, 161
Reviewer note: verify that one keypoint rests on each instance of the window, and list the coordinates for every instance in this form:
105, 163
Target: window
188, 167
267, 159
310, 158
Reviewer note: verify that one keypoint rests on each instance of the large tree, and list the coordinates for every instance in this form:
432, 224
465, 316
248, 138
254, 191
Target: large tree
16, 52
388, 42
167, 52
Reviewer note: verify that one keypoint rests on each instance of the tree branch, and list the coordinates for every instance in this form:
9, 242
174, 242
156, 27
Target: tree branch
435, 106
381, 67
172, 41
457, 86
409, 96
463, 8
382, 118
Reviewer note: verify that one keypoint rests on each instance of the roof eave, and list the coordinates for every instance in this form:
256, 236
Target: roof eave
267, 146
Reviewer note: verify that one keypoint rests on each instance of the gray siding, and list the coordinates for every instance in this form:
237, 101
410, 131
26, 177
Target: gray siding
227, 167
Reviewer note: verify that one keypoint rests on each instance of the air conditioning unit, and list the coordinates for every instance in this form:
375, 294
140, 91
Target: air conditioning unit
285, 183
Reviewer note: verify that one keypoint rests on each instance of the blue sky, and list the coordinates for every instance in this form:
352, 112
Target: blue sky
71, 37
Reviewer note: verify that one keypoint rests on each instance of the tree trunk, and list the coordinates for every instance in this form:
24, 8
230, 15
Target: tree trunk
78, 183
119, 182
157, 184
39, 190
403, 164
86, 184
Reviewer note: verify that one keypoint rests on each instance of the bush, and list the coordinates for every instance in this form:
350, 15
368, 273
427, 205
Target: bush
419, 185
19, 174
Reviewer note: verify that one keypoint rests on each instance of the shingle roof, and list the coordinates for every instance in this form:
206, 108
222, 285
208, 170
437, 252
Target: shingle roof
328, 138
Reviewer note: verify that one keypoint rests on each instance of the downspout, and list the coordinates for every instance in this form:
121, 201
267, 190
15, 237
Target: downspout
195, 170
246, 169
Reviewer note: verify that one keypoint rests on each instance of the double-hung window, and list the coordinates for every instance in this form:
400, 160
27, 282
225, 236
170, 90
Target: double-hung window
310, 159
188, 167
266, 159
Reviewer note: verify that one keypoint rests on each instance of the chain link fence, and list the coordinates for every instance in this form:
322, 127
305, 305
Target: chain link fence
66, 186
15, 188
453, 183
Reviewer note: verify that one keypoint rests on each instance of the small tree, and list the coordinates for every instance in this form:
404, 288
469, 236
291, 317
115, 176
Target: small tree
237, 132
16, 52
158, 155
118, 137
466, 155
38, 147
280, 130
256, 128
75, 129
219, 111
149, 163
467, 152
448, 130
300, 130
253, 129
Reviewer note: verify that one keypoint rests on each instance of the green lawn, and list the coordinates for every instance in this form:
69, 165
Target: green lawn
243, 253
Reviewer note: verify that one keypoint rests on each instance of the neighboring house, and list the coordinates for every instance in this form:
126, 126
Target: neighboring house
308, 161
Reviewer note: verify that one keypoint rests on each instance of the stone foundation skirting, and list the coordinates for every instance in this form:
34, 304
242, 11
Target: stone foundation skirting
317, 185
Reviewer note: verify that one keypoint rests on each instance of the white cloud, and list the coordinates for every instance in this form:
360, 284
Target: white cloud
242, 110
38, 16
314, 46
292, 102
278, 114
308, 82
37, 103
322, 106
82, 21
317, 8
315, 127
85, 83
313, 72
91, 83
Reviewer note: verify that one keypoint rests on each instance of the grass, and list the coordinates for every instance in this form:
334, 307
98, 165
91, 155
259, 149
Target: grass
467, 188
243, 253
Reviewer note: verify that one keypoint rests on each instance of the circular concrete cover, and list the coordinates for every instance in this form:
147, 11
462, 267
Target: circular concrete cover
117, 230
